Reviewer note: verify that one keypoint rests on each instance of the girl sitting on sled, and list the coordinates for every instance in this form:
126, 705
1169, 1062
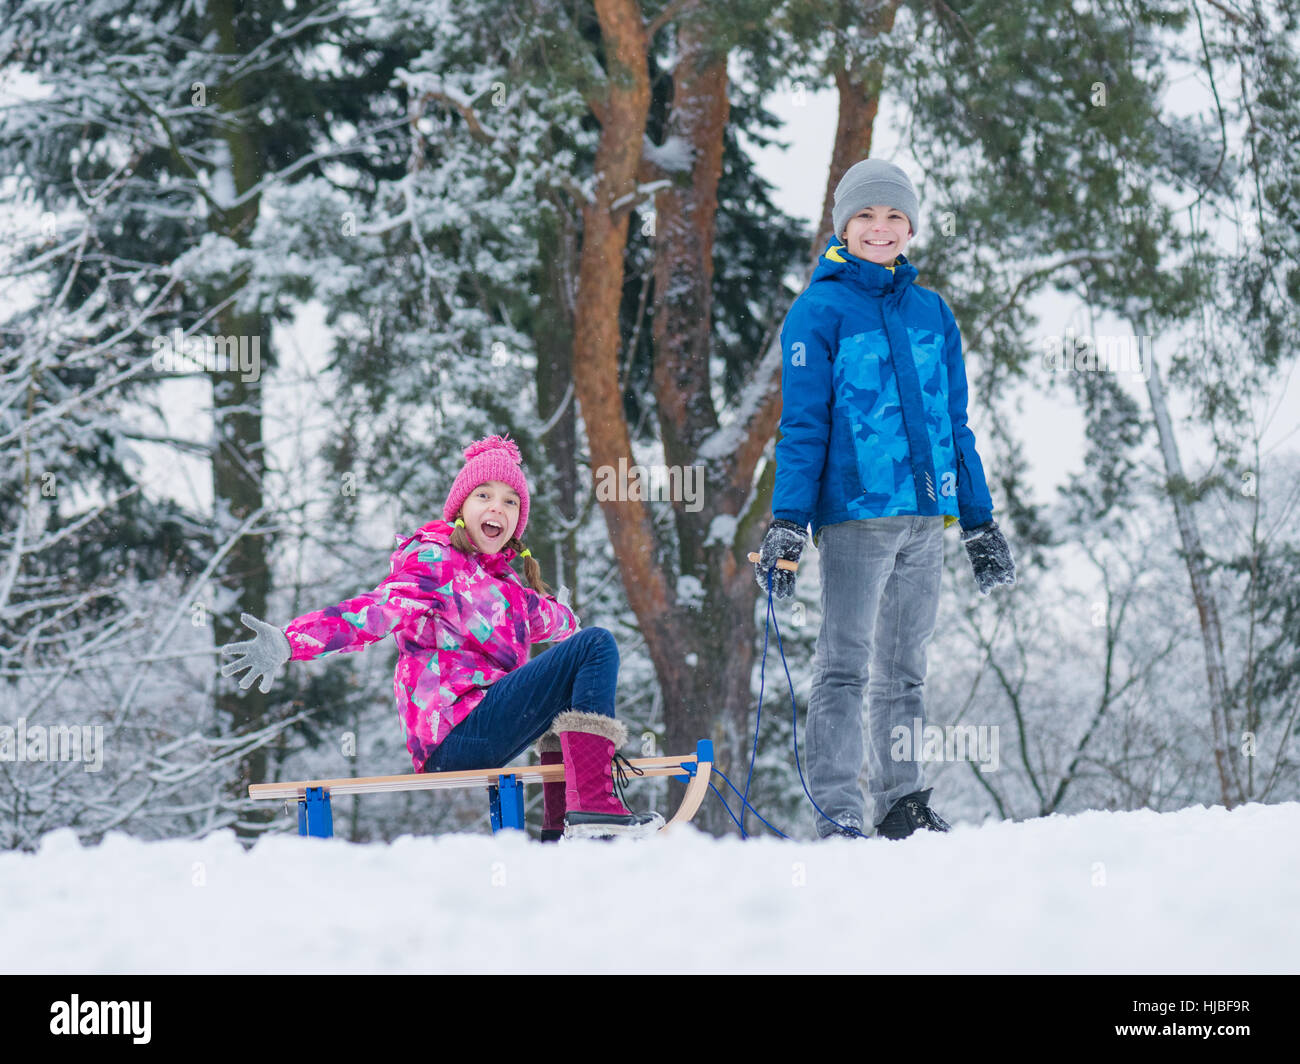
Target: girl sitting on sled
467, 693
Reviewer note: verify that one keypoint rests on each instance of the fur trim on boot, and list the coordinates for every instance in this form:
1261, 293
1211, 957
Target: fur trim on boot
577, 720
548, 743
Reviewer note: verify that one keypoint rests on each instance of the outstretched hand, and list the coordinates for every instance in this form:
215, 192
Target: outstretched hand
562, 597
262, 656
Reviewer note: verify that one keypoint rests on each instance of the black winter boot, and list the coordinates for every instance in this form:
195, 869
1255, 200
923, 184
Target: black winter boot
909, 813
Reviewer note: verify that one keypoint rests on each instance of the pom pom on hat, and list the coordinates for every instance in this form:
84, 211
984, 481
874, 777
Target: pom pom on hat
491, 458
490, 443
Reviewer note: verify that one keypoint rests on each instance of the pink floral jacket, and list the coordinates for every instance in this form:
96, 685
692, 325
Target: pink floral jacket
461, 623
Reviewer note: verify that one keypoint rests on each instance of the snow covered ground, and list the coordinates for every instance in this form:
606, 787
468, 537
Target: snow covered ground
1199, 890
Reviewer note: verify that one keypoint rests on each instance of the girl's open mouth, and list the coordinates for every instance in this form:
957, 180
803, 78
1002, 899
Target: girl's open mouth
490, 529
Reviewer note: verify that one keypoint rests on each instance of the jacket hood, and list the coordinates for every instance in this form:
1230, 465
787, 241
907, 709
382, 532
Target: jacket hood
440, 531
835, 263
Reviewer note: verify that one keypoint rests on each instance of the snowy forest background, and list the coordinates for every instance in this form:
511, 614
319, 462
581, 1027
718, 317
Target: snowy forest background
547, 218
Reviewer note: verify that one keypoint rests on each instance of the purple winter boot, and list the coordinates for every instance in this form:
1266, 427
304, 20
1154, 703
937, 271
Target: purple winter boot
588, 742
548, 747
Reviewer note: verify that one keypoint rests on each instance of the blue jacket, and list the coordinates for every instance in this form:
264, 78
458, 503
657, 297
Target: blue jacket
873, 391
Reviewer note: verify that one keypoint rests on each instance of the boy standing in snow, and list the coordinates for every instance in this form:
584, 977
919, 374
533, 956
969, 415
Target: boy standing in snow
876, 454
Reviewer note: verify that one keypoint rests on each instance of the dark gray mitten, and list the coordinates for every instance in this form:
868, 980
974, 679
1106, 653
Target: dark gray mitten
990, 556
784, 540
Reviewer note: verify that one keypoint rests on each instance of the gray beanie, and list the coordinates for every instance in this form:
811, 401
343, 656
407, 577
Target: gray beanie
871, 183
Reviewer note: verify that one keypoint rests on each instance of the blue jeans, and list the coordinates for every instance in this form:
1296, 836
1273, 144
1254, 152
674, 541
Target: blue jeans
880, 597
579, 673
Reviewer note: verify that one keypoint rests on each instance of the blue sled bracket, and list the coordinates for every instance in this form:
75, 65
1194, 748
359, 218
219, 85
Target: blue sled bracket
315, 817
506, 800
703, 755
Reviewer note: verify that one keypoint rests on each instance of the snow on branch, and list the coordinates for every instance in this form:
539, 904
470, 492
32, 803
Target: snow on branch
674, 156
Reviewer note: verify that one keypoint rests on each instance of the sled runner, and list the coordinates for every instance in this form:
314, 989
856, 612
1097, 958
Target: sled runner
504, 786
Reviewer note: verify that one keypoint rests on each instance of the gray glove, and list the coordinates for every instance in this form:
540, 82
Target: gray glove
262, 656
563, 599
784, 540
990, 556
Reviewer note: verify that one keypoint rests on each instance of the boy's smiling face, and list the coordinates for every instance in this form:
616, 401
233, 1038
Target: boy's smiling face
491, 514
877, 234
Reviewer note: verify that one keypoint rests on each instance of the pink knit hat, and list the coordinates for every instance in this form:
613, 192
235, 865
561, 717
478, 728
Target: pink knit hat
493, 458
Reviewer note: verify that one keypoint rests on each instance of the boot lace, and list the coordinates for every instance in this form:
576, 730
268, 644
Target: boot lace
933, 819
621, 778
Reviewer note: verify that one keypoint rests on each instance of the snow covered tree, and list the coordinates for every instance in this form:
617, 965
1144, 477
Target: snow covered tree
1090, 184
100, 577
195, 111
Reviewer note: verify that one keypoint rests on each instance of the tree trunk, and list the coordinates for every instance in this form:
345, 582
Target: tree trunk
709, 685
556, 406
622, 110
238, 460
1207, 608
702, 648
859, 92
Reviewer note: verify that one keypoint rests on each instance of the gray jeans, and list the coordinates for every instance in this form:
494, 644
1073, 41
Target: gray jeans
880, 597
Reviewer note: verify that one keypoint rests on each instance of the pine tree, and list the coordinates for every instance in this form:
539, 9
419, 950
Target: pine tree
193, 113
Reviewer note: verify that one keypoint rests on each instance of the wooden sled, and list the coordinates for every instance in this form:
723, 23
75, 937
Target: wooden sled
504, 786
